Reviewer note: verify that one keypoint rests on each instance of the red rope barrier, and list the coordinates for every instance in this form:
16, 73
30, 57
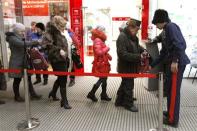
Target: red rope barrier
10, 71
133, 75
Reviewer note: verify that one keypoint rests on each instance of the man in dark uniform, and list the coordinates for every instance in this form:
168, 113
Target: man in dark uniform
174, 51
129, 57
161, 39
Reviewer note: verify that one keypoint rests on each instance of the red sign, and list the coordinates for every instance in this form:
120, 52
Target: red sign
77, 24
120, 18
35, 8
145, 19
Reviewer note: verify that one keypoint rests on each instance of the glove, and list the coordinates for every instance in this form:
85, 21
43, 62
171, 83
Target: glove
148, 41
62, 52
144, 54
174, 67
144, 57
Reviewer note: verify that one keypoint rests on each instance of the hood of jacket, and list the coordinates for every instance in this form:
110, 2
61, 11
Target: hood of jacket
9, 34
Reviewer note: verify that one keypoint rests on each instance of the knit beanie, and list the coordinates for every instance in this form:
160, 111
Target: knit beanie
18, 27
160, 16
41, 26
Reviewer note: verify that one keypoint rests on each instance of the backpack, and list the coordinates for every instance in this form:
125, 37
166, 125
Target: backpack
37, 59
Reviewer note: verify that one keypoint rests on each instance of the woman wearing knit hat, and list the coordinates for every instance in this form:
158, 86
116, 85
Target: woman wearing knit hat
100, 63
174, 50
16, 45
40, 30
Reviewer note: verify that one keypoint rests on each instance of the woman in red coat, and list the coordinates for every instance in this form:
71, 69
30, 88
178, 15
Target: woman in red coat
101, 63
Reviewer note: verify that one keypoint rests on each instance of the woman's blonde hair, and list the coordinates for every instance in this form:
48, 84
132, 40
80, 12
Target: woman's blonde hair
59, 22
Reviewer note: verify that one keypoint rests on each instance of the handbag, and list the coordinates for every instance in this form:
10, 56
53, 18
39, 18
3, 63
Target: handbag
76, 57
37, 59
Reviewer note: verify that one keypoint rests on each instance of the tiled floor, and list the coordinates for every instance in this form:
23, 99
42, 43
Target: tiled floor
100, 116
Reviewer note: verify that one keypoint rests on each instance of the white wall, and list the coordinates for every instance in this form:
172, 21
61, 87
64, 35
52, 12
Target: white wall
123, 8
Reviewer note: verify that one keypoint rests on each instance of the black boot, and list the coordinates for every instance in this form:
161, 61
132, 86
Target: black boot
2, 102
17, 96
54, 91
131, 108
32, 92
104, 95
64, 101
19, 99
91, 94
45, 77
45, 82
38, 79
119, 101
72, 82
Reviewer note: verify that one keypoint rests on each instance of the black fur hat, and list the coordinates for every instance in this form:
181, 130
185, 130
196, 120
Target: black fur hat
41, 26
160, 16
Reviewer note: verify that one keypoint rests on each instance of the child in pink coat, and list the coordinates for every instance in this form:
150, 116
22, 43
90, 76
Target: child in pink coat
100, 63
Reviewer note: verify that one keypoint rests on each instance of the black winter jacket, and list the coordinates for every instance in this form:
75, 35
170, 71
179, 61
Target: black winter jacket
128, 51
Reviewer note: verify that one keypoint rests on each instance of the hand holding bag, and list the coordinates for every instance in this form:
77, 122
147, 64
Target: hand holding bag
76, 57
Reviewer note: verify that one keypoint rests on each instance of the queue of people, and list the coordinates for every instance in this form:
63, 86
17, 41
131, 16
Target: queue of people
56, 43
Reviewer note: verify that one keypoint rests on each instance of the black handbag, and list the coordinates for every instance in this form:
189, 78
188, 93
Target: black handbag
76, 57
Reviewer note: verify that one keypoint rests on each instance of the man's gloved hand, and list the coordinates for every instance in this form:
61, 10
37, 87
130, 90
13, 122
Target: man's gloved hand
145, 54
174, 67
148, 41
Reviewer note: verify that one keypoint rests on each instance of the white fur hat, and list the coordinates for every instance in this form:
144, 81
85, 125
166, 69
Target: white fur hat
18, 26
101, 28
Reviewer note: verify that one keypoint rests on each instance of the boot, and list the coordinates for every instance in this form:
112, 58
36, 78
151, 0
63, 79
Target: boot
17, 96
54, 91
72, 82
104, 95
2, 102
38, 79
32, 92
18, 99
131, 108
45, 82
45, 77
64, 101
134, 98
91, 94
119, 101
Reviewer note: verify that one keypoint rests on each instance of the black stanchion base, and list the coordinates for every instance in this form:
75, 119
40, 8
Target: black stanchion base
25, 125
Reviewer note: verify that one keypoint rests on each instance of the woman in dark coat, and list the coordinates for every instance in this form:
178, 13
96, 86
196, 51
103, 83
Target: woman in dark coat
3, 84
101, 63
16, 45
57, 47
129, 58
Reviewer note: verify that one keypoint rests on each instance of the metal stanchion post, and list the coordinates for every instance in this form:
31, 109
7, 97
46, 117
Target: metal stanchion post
160, 106
29, 123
